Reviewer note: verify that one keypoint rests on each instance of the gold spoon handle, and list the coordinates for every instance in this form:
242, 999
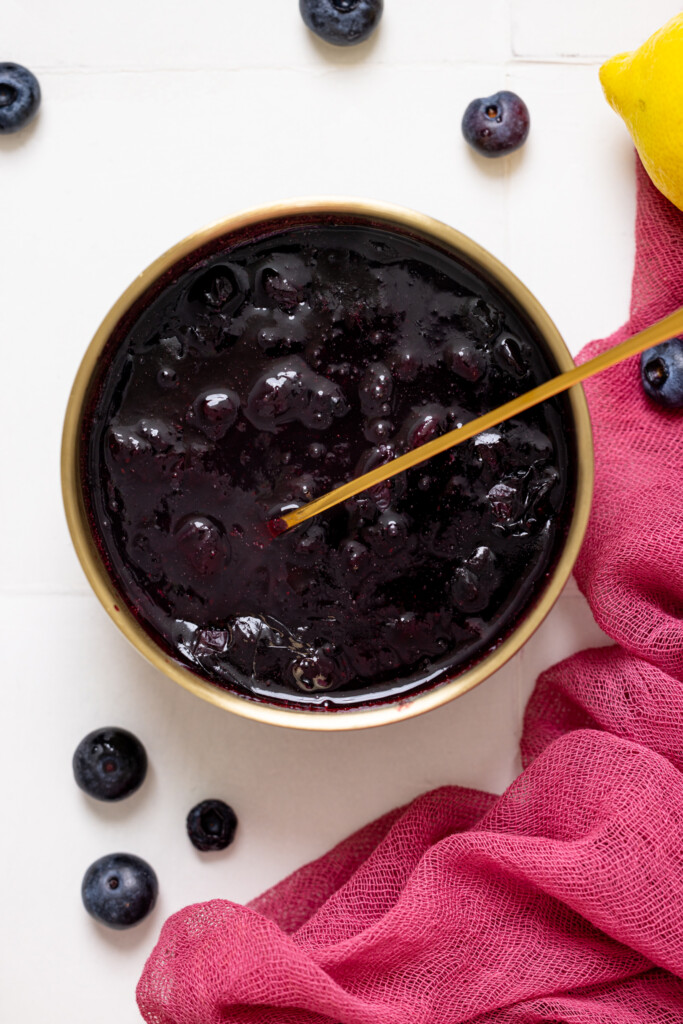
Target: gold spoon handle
660, 331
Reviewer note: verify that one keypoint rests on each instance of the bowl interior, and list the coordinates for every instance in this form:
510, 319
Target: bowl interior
263, 223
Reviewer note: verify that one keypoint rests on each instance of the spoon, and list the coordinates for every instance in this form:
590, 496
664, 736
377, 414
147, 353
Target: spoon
660, 331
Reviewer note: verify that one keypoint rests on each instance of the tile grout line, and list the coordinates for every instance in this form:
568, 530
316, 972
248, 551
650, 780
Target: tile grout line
513, 59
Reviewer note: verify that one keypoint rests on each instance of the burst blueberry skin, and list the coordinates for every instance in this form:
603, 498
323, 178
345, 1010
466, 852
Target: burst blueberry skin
496, 125
661, 373
19, 97
119, 890
342, 22
211, 825
110, 764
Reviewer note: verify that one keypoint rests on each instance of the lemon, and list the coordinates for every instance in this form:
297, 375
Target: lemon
645, 88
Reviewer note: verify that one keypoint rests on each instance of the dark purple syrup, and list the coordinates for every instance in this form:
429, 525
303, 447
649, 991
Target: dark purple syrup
267, 373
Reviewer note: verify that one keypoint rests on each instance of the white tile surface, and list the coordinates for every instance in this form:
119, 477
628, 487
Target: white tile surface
158, 118
570, 201
157, 35
585, 29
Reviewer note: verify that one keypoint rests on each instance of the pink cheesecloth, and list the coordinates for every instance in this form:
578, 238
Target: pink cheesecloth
561, 900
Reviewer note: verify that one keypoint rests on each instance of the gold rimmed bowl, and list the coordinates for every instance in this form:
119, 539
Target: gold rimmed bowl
259, 224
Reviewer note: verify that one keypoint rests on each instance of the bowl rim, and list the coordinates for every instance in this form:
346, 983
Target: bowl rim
430, 230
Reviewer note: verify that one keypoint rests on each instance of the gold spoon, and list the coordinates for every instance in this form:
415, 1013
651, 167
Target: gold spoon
660, 331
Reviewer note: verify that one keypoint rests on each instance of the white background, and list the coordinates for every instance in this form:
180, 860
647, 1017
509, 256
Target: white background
158, 117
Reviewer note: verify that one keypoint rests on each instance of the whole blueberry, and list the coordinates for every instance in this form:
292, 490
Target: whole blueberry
211, 825
109, 764
496, 125
119, 890
661, 371
19, 97
342, 22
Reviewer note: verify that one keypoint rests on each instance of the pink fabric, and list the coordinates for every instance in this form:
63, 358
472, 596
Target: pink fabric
562, 900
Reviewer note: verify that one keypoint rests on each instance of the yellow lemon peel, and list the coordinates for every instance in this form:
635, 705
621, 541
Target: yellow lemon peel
645, 87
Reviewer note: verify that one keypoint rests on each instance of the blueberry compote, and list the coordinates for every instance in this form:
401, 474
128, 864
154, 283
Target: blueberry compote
261, 373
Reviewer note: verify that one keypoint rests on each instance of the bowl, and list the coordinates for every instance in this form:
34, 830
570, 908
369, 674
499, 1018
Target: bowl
262, 222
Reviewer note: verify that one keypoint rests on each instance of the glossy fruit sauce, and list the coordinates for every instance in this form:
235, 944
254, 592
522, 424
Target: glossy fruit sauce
261, 374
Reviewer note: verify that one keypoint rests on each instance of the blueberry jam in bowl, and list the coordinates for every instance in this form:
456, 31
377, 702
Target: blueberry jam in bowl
266, 360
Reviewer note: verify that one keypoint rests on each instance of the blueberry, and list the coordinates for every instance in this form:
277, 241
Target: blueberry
423, 426
661, 371
119, 890
214, 641
167, 377
148, 437
511, 356
506, 502
214, 411
313, 672
496, 125
149, 450
480, 319
211, 825
475, 581
465, 360
407, 360
286, 281
320, 668
381, 495
342, 22
284, 334
19, 97
310, 544
375, 389
388, 537
217, 290
355, 558
289, 390
325, 402
378, 431
109, 764
203, 543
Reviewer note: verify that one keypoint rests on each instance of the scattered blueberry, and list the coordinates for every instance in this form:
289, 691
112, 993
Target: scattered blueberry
342, 22
19, 97
119, 890
109, 764
661, 371
211, 825
496, 125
